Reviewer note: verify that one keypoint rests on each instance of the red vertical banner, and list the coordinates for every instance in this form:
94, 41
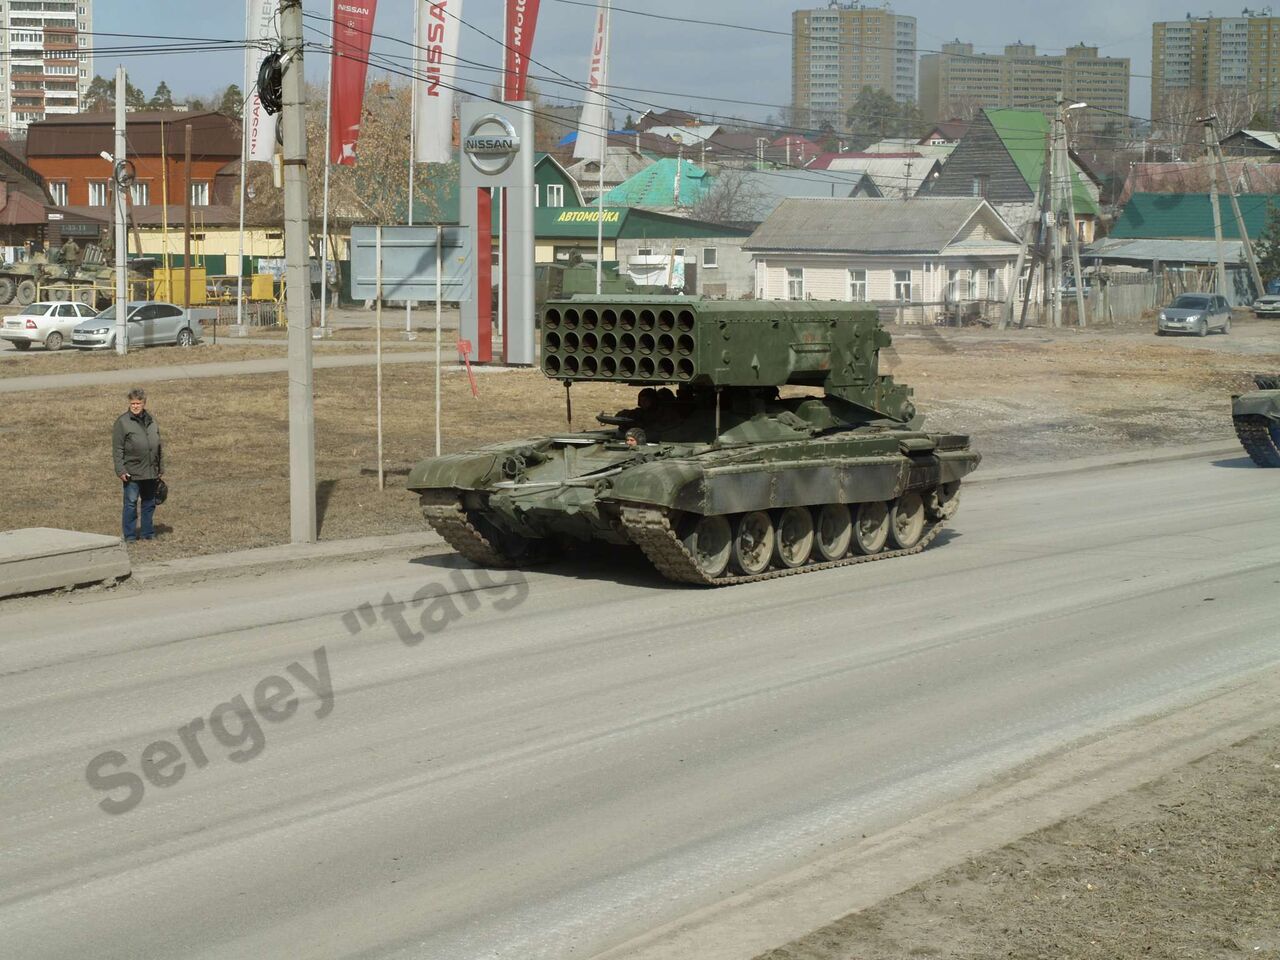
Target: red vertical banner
352, 33
522, 19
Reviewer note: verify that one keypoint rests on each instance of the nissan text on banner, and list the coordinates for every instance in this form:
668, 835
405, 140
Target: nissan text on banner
522, 21
593, 124
263, 35
435, 70
352, 32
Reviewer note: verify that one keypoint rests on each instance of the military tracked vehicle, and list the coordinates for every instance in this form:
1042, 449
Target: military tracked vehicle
735, 475
1256, 417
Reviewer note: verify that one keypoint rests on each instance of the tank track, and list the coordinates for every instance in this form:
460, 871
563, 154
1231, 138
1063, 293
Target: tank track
1256, 437
445, 514
650, 529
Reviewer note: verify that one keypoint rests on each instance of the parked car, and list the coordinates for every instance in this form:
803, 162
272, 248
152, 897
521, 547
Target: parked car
150, 323
1267, 306
47, 323
1196, 313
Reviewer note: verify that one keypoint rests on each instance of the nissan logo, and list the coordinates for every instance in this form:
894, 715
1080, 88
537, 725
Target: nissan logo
491, 144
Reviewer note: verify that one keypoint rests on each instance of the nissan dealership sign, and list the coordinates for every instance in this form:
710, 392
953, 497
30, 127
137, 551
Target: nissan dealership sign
491, 144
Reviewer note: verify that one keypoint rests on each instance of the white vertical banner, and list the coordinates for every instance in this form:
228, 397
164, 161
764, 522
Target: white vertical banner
593, 124
435, 72
263, 34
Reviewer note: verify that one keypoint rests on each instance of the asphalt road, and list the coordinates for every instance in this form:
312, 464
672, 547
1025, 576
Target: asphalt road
588, 753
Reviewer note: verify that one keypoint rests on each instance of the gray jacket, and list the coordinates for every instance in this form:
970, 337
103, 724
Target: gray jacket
135, 446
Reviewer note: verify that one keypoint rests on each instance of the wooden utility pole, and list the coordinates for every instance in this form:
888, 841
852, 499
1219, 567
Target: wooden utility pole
1213, 202
1211, 128
1030, 239
186, 228
1055, 177
297, 241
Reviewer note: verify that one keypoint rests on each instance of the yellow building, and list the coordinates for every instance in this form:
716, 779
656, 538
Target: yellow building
841, 48
956, 82
1228, 65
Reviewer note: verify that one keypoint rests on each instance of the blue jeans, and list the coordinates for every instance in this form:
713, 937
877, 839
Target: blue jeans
135, 490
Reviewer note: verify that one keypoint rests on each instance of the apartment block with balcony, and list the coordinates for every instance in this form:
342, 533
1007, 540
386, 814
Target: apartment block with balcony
1205, 64
956, 82
46, 59
839, 49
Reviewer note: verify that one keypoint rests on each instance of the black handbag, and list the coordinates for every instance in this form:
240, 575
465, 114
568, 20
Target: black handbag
162, 492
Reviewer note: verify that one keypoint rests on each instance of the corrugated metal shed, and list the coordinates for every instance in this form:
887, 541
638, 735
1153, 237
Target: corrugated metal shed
921, 225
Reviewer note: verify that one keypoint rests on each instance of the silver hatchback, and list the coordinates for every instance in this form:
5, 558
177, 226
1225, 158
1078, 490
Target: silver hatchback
1197, 313
150, 323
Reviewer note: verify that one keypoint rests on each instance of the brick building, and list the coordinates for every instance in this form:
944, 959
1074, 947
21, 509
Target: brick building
67, 153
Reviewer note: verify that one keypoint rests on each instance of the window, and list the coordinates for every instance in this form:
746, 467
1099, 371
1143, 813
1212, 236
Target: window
555, 195
58, 191
140, 194
99, 193
795, 283
200, 194
66, 310
958, 285
644, 252
981, 182
710, 258
902, 286
858, 286
993, 284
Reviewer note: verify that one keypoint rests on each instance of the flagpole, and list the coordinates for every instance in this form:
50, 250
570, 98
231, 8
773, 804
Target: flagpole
604, 151
413, 145
328, 164
244, 167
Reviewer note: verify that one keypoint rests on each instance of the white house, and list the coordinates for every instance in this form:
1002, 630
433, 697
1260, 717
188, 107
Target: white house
917, 255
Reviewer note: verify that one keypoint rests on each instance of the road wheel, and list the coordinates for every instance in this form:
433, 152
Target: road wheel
22, 344
59, 292
53, 341
26, 292
1203, 329
185, 337
87, 296
753, 539
907, 521
709, 542
871, 527
795, 536
1226, 326
943, 501
7, 289
834, 531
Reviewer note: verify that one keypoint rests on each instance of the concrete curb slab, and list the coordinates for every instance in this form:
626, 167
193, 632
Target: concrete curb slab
37, 559
294, 556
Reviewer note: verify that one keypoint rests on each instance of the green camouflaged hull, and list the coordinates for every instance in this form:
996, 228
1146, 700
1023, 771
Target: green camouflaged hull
1256, 417
726, 478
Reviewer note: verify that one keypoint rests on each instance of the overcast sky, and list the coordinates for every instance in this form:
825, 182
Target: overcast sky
665, 63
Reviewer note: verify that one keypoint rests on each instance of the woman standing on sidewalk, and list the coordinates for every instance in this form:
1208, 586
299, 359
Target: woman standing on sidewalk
135, 447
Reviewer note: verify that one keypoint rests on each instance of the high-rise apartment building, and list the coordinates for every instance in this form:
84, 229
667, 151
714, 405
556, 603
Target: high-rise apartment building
46, 59
1206, 64
841, 48
957, 81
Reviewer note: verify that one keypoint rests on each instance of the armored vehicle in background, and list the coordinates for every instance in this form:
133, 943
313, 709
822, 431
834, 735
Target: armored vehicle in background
1256, 417
728, 478
21, 281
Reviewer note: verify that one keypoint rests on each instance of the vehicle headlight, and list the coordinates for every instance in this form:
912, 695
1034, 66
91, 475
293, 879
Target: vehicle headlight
1194, 317
1163, 316
100, 331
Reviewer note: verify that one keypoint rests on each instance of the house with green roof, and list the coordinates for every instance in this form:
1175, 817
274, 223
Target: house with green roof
669, 184
1001, 158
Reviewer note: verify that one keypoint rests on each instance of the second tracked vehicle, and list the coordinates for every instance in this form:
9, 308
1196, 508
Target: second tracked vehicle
1256, 416
781, 449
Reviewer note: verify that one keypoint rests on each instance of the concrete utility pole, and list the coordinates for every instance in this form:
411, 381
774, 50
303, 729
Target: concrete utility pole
302, 436
122, 241
1249, 255
1065, 164
1055, 188
1213, 202
1029, 235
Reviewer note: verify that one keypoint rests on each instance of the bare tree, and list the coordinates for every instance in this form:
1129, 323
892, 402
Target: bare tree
735, 197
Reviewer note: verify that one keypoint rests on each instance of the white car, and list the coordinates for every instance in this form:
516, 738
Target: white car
47, 323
